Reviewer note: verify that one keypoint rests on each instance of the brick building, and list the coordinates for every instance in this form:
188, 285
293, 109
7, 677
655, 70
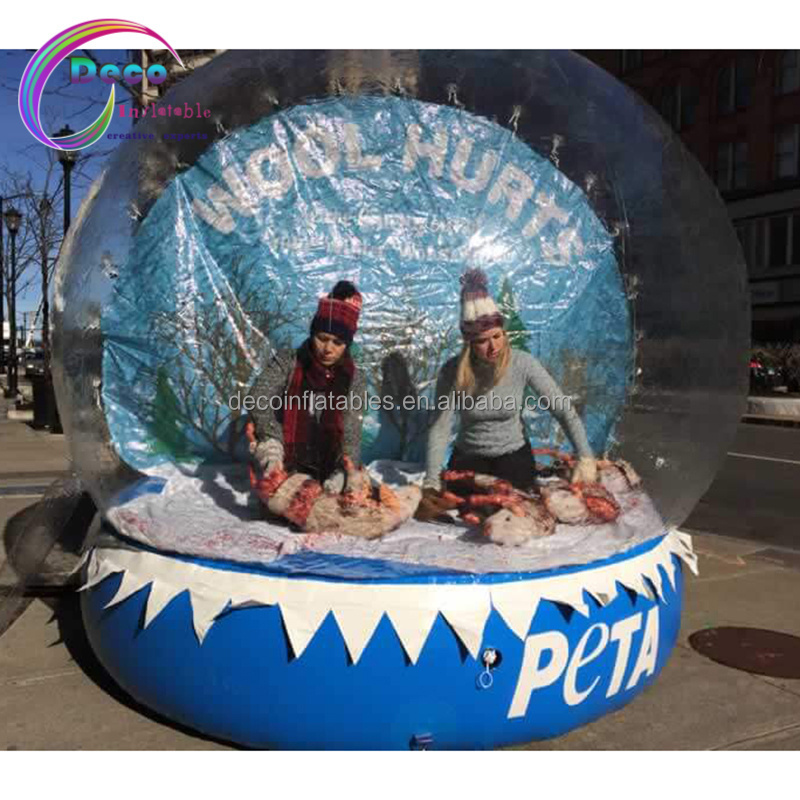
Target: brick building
739, 113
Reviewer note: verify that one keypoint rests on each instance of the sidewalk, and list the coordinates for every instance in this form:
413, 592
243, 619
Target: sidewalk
773, 409
54, 695
30, 461
27, 454
697, 704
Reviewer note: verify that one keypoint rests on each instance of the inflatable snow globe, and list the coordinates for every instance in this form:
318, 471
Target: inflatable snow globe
261, 604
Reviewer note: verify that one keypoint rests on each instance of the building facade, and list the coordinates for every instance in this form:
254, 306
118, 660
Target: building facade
739, 113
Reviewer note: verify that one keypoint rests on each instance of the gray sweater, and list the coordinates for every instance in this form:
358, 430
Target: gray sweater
274, 380
496, 428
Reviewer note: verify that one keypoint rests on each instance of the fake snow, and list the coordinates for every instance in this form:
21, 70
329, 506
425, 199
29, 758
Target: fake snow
211, 512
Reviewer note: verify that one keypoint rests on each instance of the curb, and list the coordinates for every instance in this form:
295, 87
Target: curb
19, 416
765, 419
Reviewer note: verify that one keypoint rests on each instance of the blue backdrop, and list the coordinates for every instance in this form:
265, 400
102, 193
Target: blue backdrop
397, 195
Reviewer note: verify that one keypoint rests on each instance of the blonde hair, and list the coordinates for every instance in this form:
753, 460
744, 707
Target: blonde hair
466, 379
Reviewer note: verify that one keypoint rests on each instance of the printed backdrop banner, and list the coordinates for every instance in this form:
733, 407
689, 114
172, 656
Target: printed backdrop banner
396, 195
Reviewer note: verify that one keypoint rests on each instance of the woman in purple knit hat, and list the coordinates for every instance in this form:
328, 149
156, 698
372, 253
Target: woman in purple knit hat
491, 435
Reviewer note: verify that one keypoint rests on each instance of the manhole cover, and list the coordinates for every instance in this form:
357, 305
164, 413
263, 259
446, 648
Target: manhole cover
753, 650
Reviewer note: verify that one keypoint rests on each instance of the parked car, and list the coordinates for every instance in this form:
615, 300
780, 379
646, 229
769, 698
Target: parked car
763, 377
32, 361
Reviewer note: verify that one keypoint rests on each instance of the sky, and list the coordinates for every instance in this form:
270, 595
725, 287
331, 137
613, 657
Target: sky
64, 103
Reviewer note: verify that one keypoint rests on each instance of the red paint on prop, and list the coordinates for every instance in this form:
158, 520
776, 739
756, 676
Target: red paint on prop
303, 501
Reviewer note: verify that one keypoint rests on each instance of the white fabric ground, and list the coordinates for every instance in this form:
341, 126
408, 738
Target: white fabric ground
211, 512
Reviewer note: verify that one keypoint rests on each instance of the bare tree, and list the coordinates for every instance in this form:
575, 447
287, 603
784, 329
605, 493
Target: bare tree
38, 240
213, 349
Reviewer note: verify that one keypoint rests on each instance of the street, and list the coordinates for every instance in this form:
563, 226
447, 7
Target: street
756, 493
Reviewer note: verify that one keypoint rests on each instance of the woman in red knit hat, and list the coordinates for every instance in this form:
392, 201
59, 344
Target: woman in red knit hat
305, 434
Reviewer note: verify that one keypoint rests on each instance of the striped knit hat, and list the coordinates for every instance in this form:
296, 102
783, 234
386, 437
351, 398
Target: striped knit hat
478, 311
338, 312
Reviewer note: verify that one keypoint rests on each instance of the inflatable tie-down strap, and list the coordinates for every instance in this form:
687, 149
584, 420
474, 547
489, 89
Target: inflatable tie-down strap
279, 661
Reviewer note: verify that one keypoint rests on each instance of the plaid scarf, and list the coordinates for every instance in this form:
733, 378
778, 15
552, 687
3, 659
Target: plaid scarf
313, 440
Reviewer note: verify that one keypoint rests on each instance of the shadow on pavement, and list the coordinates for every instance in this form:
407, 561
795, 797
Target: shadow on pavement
42, 545
67, 615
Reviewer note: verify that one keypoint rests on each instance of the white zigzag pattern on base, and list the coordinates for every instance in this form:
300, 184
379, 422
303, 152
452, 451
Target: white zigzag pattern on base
359, 607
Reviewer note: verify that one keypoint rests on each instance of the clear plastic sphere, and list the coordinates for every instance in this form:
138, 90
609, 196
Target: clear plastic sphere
202, 249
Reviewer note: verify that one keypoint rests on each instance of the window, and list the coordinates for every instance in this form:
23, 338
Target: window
745, 231
688, 104
752, 239
678, 104
743, 80
770, 242
669, 104
786, 151
760, 241
787, 77
784, 240
795, 240
730, 170
735, 84
630, 60
724, 87
778, 241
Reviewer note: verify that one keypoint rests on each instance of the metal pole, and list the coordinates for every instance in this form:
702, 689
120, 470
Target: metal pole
55, 417
45, 306
2, 297
45, 311
67, 195
12, 313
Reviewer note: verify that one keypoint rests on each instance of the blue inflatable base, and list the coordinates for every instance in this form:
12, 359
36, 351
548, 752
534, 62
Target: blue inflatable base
244, 685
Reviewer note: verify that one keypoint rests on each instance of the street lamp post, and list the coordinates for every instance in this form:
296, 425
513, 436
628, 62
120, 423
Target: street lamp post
13, 220
67, 158
3, 364
45, 209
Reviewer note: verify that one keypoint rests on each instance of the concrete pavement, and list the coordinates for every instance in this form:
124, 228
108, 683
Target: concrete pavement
755, 492
30, 461
697, 704
28, 455
54, 694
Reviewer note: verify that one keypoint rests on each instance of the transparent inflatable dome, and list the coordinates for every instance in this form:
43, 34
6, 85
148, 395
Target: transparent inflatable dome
204, 249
